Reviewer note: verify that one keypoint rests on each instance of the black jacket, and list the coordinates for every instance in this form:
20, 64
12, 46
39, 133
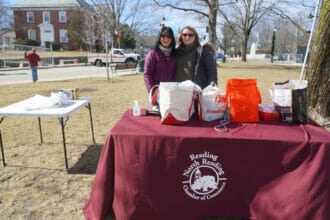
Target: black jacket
206, 67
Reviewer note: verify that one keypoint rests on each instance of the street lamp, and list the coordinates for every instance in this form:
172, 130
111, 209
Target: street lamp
233, 47
273, 45
163, 22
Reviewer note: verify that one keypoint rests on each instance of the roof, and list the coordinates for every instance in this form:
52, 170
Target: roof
50, 4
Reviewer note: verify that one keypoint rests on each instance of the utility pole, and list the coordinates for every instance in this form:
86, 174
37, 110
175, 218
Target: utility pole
273, 46
4, 53
106, 50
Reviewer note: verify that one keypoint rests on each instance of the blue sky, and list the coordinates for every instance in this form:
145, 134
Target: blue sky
175, 19
178, 19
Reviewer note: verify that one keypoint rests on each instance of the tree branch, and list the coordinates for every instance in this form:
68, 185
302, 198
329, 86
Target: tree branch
179, 8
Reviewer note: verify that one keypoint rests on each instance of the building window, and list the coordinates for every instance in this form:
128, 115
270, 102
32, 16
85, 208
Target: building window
32, 34
30, 16
62, 15
63, 36
46, 16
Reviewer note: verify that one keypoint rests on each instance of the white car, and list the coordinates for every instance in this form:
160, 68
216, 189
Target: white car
114, 56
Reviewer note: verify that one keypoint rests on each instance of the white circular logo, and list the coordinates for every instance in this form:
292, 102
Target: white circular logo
204, 177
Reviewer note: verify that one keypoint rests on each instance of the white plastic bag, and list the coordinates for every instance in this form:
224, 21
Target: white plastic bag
212, 104
176, 101
290, 100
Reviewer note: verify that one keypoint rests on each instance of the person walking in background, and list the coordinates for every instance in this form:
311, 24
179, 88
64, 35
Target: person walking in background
160, 62
33, 63
194, 61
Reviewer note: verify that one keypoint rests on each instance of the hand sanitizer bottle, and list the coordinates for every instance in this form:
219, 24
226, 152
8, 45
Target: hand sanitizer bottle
136, 109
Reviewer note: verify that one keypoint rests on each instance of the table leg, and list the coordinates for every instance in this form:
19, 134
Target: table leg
91, 119
64, 144
40, 131
2, 152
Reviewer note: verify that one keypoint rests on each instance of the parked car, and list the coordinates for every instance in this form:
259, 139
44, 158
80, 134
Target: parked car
114, 56
219, 55
279, 57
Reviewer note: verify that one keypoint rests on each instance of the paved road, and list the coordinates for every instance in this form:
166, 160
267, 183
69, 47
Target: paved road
53, 74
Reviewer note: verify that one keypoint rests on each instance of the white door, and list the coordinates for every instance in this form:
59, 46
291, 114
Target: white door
46, 32
47, 35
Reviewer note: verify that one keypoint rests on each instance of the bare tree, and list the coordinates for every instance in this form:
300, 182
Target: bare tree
109, 13
318, 69
245, 14
287, 36
113, 13
207, 9
226, 39
5, 18
264, 29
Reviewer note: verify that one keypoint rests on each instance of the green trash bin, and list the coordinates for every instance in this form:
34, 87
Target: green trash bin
141, 66
223, 59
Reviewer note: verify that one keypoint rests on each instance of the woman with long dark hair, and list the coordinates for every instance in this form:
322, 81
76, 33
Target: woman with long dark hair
160, 62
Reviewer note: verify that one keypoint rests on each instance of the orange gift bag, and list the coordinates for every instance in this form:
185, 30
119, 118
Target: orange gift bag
244, 97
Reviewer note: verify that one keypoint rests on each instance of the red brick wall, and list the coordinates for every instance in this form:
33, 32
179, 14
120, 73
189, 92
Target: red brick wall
22, 26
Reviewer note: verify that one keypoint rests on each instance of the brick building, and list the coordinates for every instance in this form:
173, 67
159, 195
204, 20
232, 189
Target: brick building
45, 20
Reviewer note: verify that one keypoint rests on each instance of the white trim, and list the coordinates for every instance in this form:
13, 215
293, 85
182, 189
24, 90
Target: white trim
64, 34
27, 16
32, 36
60, 13
46, 32
44, 15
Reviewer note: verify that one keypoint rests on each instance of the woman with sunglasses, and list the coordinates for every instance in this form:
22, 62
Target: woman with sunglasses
160, 62
195, 62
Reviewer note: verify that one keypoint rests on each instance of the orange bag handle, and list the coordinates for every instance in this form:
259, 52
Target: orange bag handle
228, 90
259, 96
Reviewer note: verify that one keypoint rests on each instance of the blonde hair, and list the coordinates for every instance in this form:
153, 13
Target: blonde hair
190, 29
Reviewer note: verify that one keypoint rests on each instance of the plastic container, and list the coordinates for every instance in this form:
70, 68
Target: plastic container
136, 109
141, 65
268, 113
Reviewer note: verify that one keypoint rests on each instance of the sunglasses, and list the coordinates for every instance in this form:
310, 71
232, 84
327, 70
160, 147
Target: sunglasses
188, 35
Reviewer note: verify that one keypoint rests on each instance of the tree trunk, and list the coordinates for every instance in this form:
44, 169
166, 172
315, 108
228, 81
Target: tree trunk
318, 69
244, 46
213, 22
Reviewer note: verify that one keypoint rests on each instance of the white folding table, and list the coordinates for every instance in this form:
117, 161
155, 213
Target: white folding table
61, 112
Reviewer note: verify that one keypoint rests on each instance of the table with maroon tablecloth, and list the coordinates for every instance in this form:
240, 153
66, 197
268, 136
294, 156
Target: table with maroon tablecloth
264, 170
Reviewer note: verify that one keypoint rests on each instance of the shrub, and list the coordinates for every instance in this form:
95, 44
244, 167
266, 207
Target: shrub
55, 46
27, 42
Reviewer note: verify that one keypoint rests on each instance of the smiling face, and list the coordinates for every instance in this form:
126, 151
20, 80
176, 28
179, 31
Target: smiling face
188, 37
165, 40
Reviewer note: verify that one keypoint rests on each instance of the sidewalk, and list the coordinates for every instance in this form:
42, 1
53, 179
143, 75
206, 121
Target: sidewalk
56, 74
40, 67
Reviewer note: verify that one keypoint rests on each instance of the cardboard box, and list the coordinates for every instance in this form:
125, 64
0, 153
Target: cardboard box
72, 94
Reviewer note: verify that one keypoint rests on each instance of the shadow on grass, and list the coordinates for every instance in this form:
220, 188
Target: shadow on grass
88, 161
274, 67
12, 74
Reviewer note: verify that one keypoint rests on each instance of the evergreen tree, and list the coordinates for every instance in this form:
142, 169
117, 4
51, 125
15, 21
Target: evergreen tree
76, 33
127, 37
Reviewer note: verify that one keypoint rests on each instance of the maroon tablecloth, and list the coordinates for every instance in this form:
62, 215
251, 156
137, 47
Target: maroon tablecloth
265, 170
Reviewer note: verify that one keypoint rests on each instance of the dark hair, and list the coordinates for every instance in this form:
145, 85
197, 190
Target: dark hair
169, 32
